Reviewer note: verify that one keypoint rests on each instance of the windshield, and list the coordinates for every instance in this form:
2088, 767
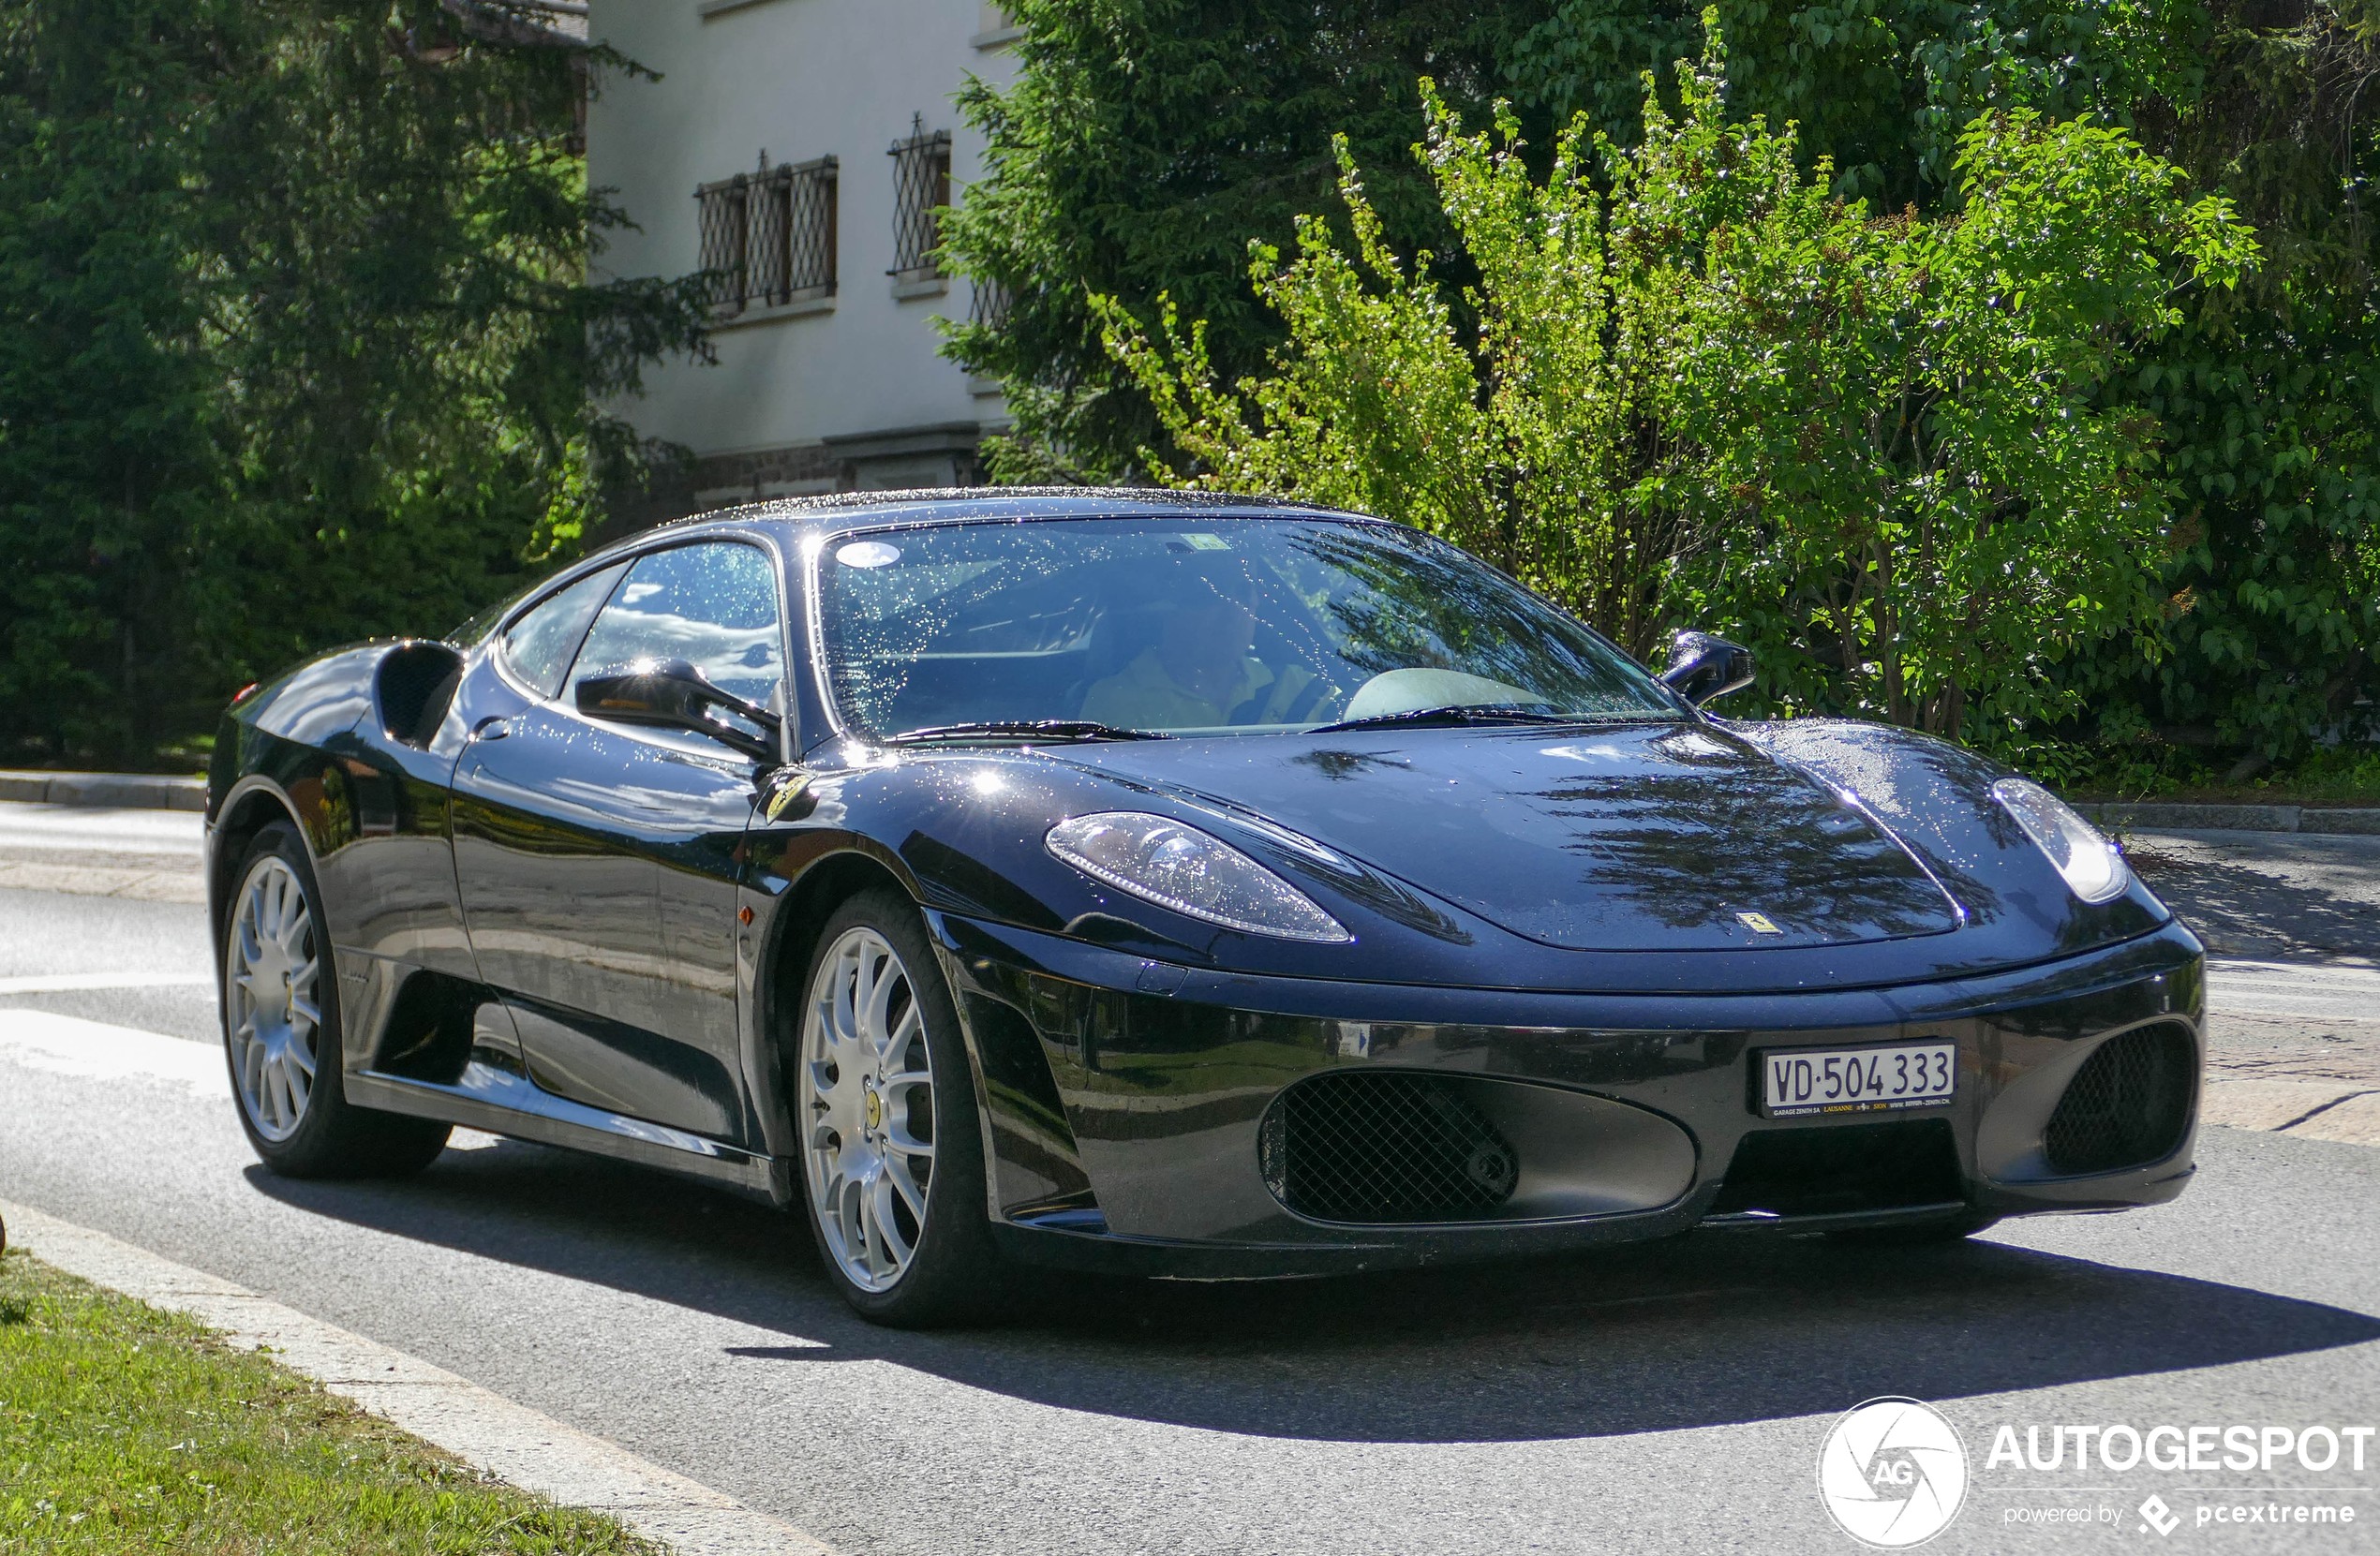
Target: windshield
1180, 625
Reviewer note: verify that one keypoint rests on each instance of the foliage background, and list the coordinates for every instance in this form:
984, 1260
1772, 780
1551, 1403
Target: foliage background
1723, 388
2266, 397
300, 346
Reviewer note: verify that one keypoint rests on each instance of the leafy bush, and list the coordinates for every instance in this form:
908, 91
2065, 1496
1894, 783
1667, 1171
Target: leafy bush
1877, 448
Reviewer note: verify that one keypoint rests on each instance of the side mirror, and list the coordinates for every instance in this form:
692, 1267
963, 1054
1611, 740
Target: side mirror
672, 694
1703, 668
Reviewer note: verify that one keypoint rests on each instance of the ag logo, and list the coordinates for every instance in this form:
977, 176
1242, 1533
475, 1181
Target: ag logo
1892, 1472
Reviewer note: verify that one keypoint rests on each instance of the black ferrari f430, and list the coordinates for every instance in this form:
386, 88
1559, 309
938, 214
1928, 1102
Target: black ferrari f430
1168, 884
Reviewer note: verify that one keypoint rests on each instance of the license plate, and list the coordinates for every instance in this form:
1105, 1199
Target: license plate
1801, 1081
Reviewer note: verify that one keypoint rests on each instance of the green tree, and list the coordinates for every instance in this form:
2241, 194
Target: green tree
1144, 143
2269, 404
303, 346
1722, 392
1147, 142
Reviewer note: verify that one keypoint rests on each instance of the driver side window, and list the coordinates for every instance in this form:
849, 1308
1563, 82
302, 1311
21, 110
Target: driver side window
539, 644
712, 605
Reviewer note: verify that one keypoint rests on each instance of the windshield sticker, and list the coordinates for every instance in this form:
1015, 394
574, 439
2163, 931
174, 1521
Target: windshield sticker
867, 554
1206, 543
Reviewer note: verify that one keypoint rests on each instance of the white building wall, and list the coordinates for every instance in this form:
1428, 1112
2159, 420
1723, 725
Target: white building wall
814, 397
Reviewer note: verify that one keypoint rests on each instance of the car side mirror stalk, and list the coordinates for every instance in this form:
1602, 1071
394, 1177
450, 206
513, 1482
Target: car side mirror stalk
672, 694
1703, 668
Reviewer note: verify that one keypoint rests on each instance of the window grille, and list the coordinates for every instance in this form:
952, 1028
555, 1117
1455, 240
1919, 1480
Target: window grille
768, 237
991, 305
724, 207
921, 185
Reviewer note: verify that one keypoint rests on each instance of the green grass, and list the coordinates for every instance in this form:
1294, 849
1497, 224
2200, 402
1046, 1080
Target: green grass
124, 1428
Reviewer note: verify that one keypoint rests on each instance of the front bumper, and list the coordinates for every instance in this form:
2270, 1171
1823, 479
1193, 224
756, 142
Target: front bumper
1125, 1101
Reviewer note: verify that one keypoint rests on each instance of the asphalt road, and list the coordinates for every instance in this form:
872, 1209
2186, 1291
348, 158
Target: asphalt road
1666, 1398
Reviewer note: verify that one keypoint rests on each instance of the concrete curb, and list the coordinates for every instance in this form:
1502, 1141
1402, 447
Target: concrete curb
124, 791
2326, 821
532, 1451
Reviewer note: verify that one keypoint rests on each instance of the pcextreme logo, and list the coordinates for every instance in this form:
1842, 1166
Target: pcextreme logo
1892, 1472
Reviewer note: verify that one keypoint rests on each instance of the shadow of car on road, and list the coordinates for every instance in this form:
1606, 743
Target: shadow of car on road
1706, 1329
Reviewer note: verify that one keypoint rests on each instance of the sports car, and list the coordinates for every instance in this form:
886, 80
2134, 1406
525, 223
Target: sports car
1173, 885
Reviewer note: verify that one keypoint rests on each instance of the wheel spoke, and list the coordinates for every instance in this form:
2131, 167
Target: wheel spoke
892, 1250
301, 1058
903, 1143
897, 1045
897, 1173
861, 985
881, 990
276, 905
879, 995
292, 911
849, 1199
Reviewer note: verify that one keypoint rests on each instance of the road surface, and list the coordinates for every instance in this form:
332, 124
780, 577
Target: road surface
1670, 1397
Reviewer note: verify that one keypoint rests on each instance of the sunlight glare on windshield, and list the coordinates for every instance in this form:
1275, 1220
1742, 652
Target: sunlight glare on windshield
1216, 626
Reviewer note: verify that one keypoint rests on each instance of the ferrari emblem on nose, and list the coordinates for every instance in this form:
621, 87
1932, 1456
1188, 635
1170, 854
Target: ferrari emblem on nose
1759, 923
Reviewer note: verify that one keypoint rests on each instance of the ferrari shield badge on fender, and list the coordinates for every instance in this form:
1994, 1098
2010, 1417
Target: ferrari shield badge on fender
1759, 923
786, 794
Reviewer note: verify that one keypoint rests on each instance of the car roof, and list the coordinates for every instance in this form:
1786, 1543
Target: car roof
998, 504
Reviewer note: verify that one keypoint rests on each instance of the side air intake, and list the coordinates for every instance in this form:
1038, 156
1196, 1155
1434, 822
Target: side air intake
2127, 1106
1385, 1146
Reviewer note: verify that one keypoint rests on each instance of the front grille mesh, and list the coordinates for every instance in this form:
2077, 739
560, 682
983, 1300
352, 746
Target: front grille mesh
1375, 1146
2127, 1106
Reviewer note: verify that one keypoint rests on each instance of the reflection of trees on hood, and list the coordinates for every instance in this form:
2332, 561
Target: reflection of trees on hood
1918, 786
1690, 850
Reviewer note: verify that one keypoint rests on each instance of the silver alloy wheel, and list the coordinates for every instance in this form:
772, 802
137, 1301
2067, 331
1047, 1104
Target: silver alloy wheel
867, 1101
270, 971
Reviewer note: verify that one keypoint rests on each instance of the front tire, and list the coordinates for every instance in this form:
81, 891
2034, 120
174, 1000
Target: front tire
281, 1030
892, 1157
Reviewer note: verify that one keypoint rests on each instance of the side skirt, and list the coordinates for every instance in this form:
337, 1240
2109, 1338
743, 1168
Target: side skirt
493, 1098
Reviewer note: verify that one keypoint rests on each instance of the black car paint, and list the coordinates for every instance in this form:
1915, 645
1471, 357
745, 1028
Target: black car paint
610, 1001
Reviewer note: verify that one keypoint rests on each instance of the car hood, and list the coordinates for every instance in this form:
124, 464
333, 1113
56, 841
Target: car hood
1669, 836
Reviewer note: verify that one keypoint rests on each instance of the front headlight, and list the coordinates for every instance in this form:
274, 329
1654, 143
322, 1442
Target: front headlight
1191, 872
2090, 864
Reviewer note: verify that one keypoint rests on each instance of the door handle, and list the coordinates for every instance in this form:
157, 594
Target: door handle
491, 729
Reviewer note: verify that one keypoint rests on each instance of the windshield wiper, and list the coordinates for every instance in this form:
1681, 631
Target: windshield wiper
1460, 714
1024, 729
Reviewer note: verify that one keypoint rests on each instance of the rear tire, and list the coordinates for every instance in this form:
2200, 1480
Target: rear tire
888, 1136
281, 1033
